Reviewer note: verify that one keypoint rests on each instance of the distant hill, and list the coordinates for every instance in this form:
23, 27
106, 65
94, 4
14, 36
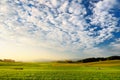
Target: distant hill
86, 60
93, 59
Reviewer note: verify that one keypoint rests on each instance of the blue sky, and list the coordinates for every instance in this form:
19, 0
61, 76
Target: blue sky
32, 30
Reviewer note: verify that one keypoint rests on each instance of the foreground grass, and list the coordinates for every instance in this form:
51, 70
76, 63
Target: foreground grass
107, 70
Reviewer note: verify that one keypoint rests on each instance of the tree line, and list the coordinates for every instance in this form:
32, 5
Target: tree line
7, 60
93, 59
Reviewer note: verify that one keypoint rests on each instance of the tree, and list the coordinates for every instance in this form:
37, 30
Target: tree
113, 58
1, 60
8, 60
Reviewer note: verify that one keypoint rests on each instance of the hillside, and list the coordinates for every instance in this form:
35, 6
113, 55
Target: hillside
102, 70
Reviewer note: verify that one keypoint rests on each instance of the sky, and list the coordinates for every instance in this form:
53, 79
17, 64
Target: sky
40, 30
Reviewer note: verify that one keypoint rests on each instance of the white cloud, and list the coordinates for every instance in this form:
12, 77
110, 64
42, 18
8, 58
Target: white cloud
115, 45
58, 23
102, 18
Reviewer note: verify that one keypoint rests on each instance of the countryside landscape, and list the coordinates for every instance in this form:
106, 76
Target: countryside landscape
108, 69
59, 39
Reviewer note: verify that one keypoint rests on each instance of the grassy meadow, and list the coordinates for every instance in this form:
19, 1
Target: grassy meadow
103, 70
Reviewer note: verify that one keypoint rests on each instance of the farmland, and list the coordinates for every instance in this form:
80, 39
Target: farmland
103, 70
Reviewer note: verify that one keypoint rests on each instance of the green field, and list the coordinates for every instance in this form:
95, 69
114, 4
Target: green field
105, 70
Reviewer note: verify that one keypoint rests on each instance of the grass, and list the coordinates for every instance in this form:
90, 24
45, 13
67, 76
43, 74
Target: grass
105, 70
